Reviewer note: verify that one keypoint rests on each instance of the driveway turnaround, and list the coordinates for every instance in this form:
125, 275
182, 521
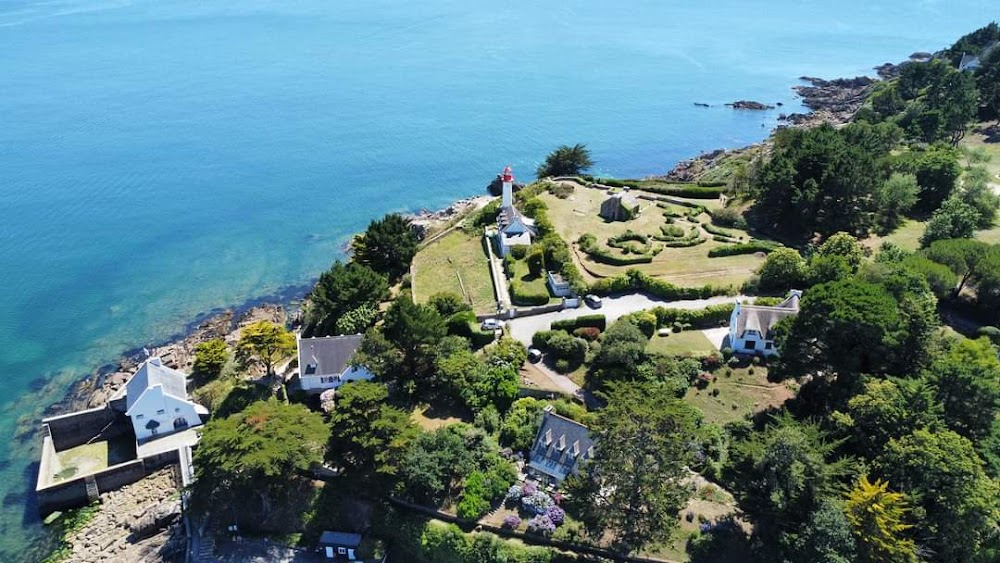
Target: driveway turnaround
522, 329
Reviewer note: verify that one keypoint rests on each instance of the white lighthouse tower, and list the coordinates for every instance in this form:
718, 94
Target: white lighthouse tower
508, 188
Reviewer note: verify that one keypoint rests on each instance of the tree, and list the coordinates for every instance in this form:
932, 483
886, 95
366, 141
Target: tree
937, 173
521, 424
845, 328
961, 256
895, 198
967, 380
448, 303
955, 219
878, 517
368, 434
826, 537
889, 409
623, 348
414, 330
566, 161
387, 246
264, 343
341, 289
209, 358
357, 320
783, 269
988, 79
781, 474
635, 482
941, 472
977, 192
843, 245
954, 98
256, 454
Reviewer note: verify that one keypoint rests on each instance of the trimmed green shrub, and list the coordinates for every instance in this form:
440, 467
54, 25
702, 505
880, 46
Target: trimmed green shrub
709, 317
519, 252
718, 231
684, 243
636, 280
541, 338
587, 333
599, 322
743, 248
521, 295
691, 192
588, 244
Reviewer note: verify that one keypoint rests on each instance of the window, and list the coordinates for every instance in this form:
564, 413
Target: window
750, 345
768, 345
140, 416
342, 550
161, 411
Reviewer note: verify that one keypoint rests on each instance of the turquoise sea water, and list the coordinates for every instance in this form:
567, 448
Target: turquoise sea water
162, 158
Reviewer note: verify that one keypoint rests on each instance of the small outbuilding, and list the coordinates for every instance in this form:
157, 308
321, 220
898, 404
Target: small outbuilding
620, 207
340, 546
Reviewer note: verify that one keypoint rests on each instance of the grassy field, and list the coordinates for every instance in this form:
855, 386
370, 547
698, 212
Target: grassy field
686, 343
455, 262
88, 458
577, 215
739, 394
430, 419
907, 236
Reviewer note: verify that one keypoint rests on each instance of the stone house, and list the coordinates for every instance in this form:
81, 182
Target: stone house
324, 362
561, 448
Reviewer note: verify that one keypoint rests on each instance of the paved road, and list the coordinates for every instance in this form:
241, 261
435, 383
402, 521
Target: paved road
524, 328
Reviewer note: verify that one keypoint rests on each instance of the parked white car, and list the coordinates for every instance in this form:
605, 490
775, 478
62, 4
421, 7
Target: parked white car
593, 301
491, 324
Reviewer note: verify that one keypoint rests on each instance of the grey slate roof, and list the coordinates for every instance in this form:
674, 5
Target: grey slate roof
762, 318
561, 444
151, 373
327, 355
340, 539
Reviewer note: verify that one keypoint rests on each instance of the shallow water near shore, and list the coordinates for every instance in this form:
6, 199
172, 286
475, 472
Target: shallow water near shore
162, 159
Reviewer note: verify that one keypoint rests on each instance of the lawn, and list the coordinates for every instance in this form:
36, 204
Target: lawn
89, 458
577, 215
456, 263
732, 397
431, 418
906, 236
685, 343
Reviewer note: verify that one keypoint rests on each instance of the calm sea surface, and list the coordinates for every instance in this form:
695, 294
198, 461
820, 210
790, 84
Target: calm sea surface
163, 158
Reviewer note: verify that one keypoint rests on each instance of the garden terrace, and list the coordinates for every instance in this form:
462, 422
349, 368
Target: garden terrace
682, 260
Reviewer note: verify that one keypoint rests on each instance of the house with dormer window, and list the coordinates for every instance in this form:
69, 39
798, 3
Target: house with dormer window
324, 362
561, 448
751, 327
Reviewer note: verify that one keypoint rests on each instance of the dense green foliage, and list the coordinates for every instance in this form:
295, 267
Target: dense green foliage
209, 359
634, 486
368, 434
344, 289
387, 246
565, 161
253, 457
264, 343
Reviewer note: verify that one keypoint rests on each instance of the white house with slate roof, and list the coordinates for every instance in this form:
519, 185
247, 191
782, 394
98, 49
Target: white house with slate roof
156, 401
324, 362
751, 326
561, 447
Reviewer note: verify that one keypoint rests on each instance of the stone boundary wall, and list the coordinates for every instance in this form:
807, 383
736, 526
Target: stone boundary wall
76, 428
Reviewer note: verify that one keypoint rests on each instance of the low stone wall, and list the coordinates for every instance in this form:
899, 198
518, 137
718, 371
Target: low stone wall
76, 428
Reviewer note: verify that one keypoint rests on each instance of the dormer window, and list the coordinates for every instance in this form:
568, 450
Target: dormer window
562, 443
590, 452
576, 448
548, 437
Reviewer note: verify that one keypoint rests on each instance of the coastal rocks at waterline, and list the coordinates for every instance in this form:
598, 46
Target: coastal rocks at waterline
139, 522
423, 220
750, 105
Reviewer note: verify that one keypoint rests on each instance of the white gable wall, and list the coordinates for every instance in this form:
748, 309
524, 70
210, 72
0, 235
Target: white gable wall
169, 411
320, 382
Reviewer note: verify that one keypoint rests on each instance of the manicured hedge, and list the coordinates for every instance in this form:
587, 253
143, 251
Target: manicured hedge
743, 248
569, 325
688, 192
636, 280
712, 184
719, 231
683, 243
588, 244
520, 295
709, 317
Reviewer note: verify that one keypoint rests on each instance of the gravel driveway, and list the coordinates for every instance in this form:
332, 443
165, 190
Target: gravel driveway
524, 328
